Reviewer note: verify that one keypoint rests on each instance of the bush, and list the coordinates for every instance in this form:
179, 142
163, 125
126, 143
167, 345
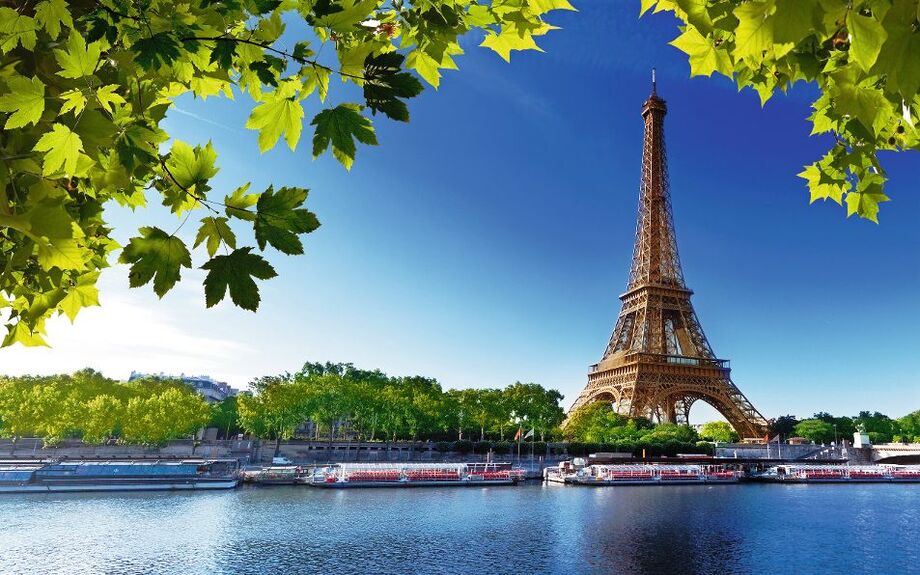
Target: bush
575, 449
502, 448
442, 446
462, 446
482, 447
539, 448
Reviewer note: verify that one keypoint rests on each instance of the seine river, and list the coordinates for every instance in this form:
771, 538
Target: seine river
718, 529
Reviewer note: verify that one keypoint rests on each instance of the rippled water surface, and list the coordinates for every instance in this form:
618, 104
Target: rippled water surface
529, 529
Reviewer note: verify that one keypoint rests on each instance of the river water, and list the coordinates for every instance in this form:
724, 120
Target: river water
718, 529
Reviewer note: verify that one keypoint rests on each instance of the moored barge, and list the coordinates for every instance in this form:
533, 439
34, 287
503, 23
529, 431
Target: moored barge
77, 476
638, 474
841, 474
351, 475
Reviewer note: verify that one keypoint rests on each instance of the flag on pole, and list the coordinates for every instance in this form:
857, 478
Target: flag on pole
529, 434
518, 434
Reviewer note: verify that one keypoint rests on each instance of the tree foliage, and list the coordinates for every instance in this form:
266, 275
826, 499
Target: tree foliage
720, 431
816, 430
598, 423
864, 56
97, 409
344, 401
86, 84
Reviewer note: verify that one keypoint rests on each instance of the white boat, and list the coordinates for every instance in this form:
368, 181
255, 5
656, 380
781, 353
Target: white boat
648, 474
349, 475
801, 473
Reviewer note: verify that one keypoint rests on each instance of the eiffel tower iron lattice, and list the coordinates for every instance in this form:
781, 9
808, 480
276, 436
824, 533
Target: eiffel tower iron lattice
659, 362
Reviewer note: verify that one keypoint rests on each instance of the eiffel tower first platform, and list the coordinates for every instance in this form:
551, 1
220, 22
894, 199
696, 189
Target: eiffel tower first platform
659, 362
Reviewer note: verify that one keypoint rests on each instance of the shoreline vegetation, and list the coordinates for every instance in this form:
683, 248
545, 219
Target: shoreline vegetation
339, 402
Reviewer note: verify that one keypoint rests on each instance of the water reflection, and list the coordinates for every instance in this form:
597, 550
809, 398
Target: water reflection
719, 529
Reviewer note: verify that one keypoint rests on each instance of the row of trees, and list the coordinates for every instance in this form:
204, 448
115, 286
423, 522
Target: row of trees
598, 424
342, 400
823, 427
90, 406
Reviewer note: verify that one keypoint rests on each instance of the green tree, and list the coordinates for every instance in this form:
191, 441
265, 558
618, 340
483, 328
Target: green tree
537, 407
719, 431
104, 414
278, 408
880, 427
816, 430
86, 84
783, 425
864, 56
909, 426
225, 417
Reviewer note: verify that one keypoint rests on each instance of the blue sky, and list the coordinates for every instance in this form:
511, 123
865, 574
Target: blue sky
487, 240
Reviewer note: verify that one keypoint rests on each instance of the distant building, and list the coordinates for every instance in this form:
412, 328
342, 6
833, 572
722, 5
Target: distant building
212, 390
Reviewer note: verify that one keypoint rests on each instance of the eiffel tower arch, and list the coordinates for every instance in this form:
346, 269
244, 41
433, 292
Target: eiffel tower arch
658, 362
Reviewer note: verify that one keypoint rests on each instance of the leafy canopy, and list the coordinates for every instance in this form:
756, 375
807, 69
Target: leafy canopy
85, 85
864, 56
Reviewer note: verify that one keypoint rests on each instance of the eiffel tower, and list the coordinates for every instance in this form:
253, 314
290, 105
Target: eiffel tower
659, 362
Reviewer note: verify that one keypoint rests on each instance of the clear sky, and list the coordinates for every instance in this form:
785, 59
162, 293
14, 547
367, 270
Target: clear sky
487, 240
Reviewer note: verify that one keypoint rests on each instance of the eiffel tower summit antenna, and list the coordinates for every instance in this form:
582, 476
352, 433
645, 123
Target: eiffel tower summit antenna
658, 361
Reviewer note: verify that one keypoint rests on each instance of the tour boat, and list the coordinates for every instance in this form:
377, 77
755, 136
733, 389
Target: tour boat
73, 476
840, 474
639, 474
414, 475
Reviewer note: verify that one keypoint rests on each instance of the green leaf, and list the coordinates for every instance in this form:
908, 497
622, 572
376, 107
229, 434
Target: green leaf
20, 333
345, 20
793, 21
280, 112
279, 218
191, 167
157, 256
62, 149
237, 205
235, 272
705, 58
867, 39
510, 38
754, 34
51, 14
108, 99
341, 126
78, 60
74, 101
159, 49
352, 58
314, 79
822, 186
223, 53
861, 101
16, 29
26, 101
385, 84
865, 203
82, 294
898, 58
425, 65
215, 231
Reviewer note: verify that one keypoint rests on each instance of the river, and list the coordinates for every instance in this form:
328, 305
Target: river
719, 529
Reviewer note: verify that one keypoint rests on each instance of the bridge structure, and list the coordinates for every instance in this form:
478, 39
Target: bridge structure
658, 361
